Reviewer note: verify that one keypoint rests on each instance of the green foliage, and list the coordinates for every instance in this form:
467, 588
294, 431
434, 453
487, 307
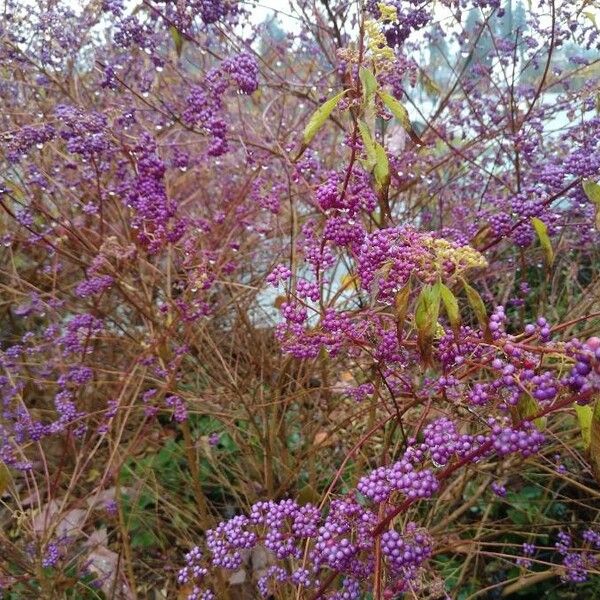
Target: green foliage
369, 85
584, 417
401, 305
451, 305
147, 478
369, 145
397, 109
382, 168
426, 318
542, 233
477, 305
320, 116
525, 506
528, 406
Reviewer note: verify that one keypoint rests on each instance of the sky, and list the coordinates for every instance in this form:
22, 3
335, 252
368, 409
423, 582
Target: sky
266, 8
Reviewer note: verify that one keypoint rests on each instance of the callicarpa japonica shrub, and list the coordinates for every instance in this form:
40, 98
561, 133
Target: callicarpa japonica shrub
299, 300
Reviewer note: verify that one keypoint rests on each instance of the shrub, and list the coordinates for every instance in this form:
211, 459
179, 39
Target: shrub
299, 313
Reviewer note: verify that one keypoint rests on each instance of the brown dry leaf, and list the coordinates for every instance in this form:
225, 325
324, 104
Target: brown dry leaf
340, 387
321, 438
279, 301
349, 280
238, 577
259, 558
307, 495
98, 499
69, 524
104, 563
459, 545
184, 592
5, 477
338, 415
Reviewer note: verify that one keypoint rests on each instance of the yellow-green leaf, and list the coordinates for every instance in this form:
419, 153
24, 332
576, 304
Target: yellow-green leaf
369, 84
546, 244
482, 237
320, 116
595, 440
177, 39
430, 86
382, 167
451, 306
478, 307
592, 17
369, 145
527, 407
401, 306
396, 108
400, 112
584, 416
426, 318
592, 190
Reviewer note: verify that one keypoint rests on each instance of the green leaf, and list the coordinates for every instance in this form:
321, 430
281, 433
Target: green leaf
320, 116
145, 500
592, 191
382, 168
527, 407
478, 307
584, 416
397, 109
369, 84
451, 306
542, 233
365, 134
144, 538
526, 496
430, 86
400, 112
426, 318
595, 440
401, 306
518, 517
177, 39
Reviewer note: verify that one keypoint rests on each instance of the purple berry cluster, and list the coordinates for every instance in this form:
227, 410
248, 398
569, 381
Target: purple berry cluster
576, 562
173, 171
243, 70
406, 551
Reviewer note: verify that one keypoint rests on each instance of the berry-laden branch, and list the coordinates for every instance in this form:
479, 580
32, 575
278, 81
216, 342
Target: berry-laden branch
298, 303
